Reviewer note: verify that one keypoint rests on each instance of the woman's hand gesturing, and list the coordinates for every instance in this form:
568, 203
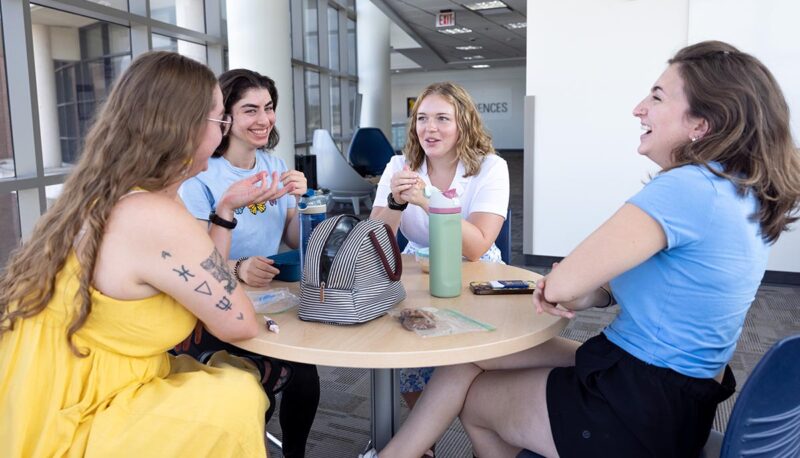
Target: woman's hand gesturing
407, 186
295, 181
252, 190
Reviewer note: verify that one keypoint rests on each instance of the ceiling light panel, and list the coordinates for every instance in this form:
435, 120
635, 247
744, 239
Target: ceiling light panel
480, 6
517, 25
455, 30
473, 57
480, 66
469, 48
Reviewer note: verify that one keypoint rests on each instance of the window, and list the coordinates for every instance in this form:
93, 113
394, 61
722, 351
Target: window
323, 51
310, 32
188, 14
86, 57
182, 47
79, 48
9, 225
313, 108
6, 147
333, 38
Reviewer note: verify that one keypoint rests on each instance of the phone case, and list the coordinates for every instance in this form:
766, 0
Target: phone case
502, 287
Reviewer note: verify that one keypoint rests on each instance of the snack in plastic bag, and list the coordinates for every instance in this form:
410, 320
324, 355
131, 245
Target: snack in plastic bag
445, 322
417, 319
274, 300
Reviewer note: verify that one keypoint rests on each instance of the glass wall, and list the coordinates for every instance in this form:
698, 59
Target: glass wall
324, 64
6, 148
9, 224
65, 61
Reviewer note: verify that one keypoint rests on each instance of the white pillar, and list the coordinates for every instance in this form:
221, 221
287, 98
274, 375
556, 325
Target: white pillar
259, 40
374, 81
46, 92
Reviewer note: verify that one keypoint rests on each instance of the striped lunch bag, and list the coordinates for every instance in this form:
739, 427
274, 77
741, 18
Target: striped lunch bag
351, 273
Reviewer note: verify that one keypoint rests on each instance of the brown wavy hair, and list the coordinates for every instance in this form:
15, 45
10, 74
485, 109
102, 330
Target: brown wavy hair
234, 83
474, 142
748, 129
145, 135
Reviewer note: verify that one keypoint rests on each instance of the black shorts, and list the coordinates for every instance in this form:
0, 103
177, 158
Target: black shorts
613, 404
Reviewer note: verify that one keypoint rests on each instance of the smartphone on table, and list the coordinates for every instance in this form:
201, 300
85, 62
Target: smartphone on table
502, 287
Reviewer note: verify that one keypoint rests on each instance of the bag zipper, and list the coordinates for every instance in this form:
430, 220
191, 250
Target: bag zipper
322, 292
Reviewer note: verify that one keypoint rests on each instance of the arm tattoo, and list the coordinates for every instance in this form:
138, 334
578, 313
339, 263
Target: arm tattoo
224, 304
218, 268
203, 288
184, 273
165, 254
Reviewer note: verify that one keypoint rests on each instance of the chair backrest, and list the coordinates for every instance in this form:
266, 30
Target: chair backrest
765, 420
503, 240
370, 151
333, 171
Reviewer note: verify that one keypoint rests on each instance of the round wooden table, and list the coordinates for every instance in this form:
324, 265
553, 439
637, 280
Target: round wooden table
383, 344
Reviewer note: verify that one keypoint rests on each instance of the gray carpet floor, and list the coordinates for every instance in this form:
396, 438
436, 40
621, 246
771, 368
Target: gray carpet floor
342, 425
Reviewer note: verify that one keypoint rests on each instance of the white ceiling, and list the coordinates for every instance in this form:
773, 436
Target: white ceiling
432, 50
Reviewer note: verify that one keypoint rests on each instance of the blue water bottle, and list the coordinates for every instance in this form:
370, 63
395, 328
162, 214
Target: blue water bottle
312, 206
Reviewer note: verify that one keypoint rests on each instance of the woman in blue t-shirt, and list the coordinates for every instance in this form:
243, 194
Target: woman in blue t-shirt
683, 257
251, 99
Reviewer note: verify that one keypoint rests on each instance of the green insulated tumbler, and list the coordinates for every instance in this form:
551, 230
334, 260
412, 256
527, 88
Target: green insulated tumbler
444, 226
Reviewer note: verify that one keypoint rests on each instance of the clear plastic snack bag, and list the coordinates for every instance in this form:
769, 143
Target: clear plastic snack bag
273, 301
433, 322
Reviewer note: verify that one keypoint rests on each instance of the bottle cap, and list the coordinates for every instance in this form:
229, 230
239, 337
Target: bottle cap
443, 202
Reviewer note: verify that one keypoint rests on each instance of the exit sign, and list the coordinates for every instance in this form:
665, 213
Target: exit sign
446, 19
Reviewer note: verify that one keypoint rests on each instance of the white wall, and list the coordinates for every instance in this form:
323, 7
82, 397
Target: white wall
588, 63
767, 29
506, 85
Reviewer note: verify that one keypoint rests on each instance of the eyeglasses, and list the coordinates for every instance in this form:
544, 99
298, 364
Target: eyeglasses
224, 123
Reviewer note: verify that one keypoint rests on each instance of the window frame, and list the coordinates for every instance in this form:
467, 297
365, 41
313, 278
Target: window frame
30, 179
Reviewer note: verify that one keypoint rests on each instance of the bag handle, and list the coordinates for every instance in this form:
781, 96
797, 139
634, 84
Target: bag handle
398, 265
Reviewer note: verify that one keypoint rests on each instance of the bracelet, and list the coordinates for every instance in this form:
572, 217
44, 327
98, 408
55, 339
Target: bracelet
611, 300
237, 266
214, 218
393, 205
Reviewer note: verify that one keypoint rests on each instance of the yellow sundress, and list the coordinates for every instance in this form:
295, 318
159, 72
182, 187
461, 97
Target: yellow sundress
128, 397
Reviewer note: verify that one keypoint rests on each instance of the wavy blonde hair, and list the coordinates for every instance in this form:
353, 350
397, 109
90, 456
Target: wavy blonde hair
145, 135
748, 129
474, 142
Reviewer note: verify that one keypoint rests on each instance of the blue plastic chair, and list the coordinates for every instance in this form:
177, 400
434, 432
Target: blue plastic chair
503, 240
370, 151
765, 421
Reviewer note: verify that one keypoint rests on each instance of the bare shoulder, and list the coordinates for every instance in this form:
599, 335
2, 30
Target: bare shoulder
142, 219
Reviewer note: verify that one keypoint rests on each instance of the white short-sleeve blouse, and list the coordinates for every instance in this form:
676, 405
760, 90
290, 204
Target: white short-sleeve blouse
485, 192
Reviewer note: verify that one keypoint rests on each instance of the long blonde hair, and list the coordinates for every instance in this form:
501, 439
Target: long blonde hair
748, 129
474, 142
145, 135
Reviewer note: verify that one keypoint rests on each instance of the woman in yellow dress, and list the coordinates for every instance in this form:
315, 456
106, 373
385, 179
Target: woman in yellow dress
116, 273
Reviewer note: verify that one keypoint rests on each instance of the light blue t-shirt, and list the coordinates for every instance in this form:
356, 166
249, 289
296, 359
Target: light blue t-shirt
260, 227
684, 308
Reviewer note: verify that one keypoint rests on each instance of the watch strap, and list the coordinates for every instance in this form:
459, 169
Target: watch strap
393, 205
214, 218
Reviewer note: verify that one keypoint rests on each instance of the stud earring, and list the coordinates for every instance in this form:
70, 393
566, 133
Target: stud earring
693, 139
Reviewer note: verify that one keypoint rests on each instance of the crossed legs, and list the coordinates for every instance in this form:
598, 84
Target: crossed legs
501, 402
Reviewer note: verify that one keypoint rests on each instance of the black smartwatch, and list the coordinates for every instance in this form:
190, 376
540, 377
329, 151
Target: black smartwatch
213, 218
393, 205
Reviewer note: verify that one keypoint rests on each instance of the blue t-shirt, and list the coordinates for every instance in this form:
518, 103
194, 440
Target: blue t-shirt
684, 308
260, 227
